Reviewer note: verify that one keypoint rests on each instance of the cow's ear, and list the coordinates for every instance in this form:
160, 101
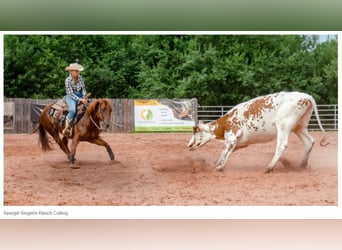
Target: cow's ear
196, 129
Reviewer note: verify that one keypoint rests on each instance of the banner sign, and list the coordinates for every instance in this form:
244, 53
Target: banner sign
165, 115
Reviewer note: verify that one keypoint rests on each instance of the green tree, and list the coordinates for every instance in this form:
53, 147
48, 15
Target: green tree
216, 69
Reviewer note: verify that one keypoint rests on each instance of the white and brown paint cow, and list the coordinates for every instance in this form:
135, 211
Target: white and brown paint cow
259, 120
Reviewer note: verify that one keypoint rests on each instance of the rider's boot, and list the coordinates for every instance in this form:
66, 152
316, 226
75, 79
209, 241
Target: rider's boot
67, 129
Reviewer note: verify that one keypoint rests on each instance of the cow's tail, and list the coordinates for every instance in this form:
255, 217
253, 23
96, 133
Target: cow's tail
323, 142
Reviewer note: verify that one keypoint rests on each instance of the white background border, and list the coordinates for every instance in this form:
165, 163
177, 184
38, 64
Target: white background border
167, 212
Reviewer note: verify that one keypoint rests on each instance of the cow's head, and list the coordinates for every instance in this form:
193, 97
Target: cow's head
202, 133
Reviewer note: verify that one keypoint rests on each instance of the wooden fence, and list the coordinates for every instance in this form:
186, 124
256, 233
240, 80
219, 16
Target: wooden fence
20, 121
17, 117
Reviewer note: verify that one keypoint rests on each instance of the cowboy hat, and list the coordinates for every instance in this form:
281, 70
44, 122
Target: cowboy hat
74, 66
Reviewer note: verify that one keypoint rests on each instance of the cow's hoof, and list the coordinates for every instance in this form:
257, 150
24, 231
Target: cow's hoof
268, 170
219, 169
304, 165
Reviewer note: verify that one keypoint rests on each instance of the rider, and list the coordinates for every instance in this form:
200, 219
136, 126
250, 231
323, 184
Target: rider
75, 92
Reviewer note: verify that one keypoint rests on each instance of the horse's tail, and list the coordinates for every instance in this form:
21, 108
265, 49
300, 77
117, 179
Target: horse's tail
44, 140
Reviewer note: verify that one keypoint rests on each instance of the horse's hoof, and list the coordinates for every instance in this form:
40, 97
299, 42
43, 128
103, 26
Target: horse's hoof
74, 166
71, 158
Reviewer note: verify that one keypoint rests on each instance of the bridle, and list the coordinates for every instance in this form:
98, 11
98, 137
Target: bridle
98, 127
92, 120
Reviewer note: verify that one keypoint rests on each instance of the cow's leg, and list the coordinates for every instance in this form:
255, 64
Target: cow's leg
302, 132
230, 144
308, 142
101, 142
282, 143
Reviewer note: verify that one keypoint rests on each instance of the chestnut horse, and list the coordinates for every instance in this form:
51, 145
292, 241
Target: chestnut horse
95, 120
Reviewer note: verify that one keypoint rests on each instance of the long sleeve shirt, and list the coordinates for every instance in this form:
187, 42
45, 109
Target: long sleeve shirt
72, 88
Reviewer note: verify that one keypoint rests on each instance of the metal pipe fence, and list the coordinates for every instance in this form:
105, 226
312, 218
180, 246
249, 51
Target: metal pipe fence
328, 115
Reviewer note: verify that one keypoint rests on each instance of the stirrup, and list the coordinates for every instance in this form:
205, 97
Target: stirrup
67, 131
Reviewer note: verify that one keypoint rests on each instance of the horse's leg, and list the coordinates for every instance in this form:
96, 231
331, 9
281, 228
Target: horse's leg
72, 154
65, 141
99, 141
55, 135
61, 143
51, 127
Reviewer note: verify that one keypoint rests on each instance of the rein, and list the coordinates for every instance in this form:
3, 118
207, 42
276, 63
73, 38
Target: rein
98, 127
117, 124
114, 123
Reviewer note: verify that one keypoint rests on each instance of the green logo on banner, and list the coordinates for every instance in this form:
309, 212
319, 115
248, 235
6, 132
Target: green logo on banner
146, 114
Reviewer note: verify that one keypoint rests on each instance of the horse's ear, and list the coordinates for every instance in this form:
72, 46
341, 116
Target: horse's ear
97, 104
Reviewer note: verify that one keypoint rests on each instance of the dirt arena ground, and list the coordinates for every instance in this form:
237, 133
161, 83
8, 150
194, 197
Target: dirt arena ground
157, 169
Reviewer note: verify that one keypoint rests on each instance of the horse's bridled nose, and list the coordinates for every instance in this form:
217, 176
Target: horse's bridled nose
104, 125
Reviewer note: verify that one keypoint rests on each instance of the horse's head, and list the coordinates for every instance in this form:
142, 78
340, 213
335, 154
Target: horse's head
102, 113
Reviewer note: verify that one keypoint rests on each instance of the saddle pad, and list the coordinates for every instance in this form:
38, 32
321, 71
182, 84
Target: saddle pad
58, 108
60, 105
